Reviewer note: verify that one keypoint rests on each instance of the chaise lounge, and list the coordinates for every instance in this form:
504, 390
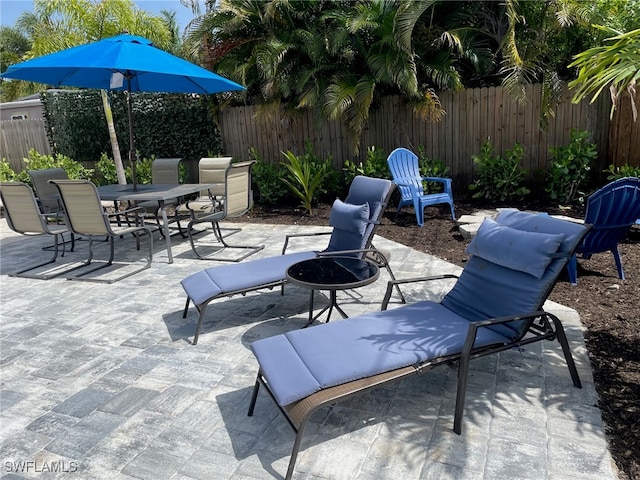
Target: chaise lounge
354, 223
495, 305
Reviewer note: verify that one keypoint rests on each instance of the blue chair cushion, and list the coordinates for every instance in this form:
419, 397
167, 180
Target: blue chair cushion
212, 282
302, 362
349, 224
352, 218
529, 252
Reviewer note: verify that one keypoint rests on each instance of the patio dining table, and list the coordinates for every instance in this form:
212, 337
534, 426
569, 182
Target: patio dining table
155, 193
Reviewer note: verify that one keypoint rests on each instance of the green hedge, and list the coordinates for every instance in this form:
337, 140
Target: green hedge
165, 125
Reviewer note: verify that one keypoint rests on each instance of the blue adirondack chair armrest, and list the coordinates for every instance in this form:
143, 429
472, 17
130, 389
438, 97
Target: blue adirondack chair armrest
297, 235
392, 283
406, 182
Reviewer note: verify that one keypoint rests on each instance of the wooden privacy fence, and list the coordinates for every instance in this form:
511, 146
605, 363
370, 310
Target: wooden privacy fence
472, 116
17, 137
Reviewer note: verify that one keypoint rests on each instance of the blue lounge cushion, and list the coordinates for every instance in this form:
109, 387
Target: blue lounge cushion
529, 252
351, 218
211, 282
302, 362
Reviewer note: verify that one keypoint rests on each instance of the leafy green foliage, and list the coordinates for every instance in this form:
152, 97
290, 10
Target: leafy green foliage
431, 168
622, 171
6, 172
143, 171
305, 177
267, 179
165, 125
106, 171
38, 161
499, 179
569, 168
374, 165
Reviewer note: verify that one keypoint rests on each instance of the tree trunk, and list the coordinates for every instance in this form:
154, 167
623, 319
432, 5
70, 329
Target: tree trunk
115, 148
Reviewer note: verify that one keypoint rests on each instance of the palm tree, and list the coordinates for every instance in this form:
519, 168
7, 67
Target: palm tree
13, 47
56, 25
615, 65
333, 57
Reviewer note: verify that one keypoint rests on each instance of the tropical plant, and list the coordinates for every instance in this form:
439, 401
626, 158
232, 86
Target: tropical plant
335, 58
569, 168
105, 171
615, 66
374, 165
622, 171
267, 181
499, 179
305, 178
55, 25
13, 47
6, 172
38, 161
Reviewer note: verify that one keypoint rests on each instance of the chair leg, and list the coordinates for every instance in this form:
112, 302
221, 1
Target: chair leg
453, 213
463, 375
564, 343
186, 308
198, 326
56, 248
616, 256
220, 238
254, 397
572, 269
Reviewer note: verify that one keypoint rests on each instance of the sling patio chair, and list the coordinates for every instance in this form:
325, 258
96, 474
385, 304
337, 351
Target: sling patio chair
46, 193
237, 200
405, 171
85, 216
354, 223
210, 170
165, 171
611, 211
24, 216
495, 305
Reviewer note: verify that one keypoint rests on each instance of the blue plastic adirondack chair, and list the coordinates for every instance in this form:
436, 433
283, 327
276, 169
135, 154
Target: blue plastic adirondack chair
404, 168
611, 210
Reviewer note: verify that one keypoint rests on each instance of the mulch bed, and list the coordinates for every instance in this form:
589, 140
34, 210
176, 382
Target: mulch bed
608, 307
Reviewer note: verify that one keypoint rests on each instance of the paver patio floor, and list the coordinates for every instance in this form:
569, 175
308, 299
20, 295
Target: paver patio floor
101, 381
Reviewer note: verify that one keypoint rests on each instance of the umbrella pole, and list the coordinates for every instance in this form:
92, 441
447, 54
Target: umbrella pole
132, 145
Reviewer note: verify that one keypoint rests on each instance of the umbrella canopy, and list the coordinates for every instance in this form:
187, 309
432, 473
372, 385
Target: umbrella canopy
125, 62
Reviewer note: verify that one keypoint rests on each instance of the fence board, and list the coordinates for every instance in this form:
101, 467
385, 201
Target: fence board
17, 137
472, 117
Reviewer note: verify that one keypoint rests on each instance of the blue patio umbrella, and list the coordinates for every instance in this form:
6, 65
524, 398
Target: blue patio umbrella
124, 62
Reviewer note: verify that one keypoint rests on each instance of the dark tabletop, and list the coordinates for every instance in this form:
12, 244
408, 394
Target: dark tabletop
333, 273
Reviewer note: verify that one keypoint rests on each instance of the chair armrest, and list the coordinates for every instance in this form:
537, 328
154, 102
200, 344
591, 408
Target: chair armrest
294, 235
446, 181
393, 283
474, 326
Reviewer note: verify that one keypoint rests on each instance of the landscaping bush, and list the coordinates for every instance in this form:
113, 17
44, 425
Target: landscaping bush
267, 180
375, 165
431, 168
569, 168
622, 171
500, 179
38, 161
6, 172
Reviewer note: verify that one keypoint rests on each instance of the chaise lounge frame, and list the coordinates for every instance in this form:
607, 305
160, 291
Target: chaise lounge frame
534, 326
203, 287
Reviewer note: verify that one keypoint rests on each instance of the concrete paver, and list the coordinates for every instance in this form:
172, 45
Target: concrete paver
101, 381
